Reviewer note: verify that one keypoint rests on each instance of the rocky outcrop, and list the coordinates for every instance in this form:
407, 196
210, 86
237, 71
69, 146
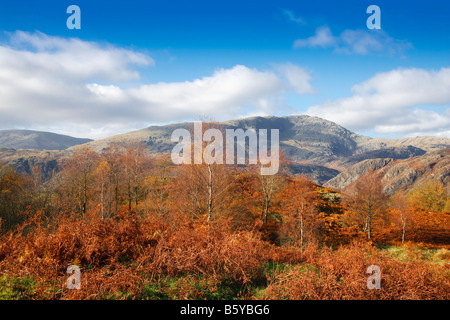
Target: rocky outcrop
399, 175
318, 148
356, 171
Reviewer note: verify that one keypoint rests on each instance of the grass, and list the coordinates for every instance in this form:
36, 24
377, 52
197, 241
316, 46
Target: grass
199, 287
409, 252
12, 288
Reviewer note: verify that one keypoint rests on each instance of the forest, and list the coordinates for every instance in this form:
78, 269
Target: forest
140, 227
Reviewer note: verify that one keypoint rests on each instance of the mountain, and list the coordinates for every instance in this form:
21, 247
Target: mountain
426, 143
302, 138
398, 175
318, 148
28, 139
400, 152
23, 160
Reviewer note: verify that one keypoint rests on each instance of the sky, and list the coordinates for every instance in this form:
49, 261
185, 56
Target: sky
134, 63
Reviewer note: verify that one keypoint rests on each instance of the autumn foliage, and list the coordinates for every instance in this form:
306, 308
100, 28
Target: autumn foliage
141, 228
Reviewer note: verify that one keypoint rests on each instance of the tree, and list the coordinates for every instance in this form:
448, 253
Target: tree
13, 196
78, 177
366, 202
102, 173
300, 200
270, 185
447, 205
136, 163
431, 197
401, 211
244, 200
40, 188
203, 186
112, 155
158, 186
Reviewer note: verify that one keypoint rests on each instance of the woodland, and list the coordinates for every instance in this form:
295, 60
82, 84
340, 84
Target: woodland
140, 227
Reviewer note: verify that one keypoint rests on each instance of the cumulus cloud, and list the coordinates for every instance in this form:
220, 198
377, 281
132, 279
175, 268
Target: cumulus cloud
94, 90
354, 41
72, 57
401, 101
322, 38
297, 77
292, 17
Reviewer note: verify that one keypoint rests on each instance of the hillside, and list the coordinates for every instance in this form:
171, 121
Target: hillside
426, 143
319, 148
28, 139
302, 138
399, 174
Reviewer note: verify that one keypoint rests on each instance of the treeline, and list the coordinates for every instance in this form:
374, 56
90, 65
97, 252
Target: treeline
139, 227
287, 210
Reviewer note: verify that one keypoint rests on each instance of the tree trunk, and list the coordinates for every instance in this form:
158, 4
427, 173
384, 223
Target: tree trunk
129, 195
84, 195
403, 228
101, 199
369, 220
210, 194
301, 224
266, 211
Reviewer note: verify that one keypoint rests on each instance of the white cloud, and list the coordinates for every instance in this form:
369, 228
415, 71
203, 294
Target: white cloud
354, 41
292, 17
73, 57
297, 77
94, 90
402, 101
221, 94
323, 38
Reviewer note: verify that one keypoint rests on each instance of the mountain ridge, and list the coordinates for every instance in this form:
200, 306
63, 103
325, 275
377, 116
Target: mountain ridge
303, 138
398, 175
39, 140
317, 147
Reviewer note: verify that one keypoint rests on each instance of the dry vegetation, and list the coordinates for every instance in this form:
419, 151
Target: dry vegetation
140, 228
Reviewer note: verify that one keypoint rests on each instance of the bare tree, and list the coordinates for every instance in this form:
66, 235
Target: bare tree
270, 185
78, 176
301, 200
136, 164
366, 201
204, 184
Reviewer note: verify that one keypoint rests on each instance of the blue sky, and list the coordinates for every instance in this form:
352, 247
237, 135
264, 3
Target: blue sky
138, 63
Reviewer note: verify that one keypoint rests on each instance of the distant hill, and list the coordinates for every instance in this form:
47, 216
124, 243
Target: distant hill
28, 139
399, 175
318, 148
427, 143
304, 139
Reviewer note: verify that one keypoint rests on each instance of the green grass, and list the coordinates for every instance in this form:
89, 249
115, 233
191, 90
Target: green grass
12, 288
407, 253
194, 287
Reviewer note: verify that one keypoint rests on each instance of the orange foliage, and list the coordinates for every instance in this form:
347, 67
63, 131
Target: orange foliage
128, 219
341, 274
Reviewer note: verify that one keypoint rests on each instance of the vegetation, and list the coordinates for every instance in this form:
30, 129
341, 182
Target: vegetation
141, 228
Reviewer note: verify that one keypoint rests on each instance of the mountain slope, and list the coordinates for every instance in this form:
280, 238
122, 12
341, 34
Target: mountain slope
399, 175
304, 139
319, 148
28, 139
426, 143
